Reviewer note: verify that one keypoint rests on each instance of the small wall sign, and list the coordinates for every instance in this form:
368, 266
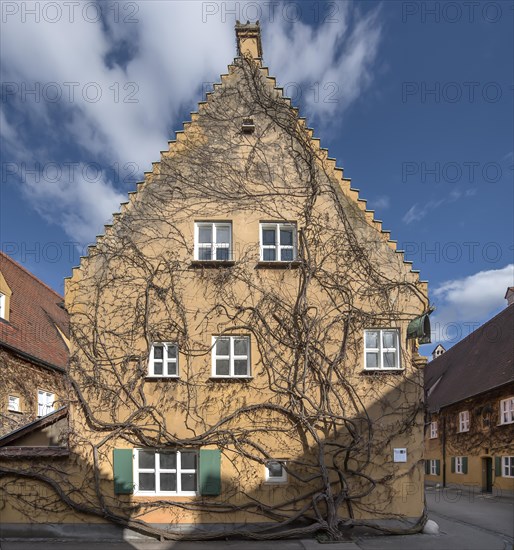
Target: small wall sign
400, 455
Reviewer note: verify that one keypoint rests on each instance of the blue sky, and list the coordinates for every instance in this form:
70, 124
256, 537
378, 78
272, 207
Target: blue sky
413, 99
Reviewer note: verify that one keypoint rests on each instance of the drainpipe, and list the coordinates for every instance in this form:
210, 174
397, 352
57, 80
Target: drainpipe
443, 441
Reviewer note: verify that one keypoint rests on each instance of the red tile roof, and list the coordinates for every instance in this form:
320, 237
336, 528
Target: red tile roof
34, 315
482, 361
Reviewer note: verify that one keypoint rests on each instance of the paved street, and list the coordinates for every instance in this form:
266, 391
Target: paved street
471, 507
467, 521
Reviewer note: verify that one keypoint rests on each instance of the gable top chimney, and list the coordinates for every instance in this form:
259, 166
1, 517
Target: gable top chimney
248, 36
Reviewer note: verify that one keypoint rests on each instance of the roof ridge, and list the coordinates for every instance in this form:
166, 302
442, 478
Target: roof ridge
19, 266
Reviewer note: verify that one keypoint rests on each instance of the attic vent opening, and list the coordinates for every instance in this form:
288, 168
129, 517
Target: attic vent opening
248, 126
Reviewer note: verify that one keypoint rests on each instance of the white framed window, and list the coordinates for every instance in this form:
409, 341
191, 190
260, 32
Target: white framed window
231, 356
433, 467
381, 349
45, 402
13, 403
508, 466
165, 472
213, 241
275, 471
2, 305
433, 429
459, 464
507, 411
464, 421
278, 242
163, 360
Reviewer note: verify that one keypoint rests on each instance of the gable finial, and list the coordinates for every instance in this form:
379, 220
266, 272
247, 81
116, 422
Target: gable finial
248, 36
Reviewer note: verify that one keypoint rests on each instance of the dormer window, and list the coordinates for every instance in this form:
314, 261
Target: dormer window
2, 306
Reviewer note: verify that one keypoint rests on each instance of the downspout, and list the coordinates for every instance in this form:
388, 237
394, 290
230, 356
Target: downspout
443, 441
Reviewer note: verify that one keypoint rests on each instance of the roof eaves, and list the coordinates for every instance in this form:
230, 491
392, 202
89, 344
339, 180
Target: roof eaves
32, 358
34, 425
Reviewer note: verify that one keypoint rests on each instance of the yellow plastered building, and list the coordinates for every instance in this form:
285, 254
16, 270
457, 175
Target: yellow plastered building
240, 360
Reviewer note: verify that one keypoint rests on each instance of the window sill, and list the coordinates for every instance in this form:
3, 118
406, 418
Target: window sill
15, 412
231, 378
382, 371
279, 265
505, 423
160, 495
195, 264
157, 377
275, 483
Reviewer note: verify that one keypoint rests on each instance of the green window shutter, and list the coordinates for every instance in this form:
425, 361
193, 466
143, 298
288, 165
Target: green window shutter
498, 466
464, 464
210, 472
438, 467
427, 467
453, 464
123, 479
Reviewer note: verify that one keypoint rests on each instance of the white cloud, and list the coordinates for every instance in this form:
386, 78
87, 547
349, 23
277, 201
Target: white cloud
380, 203
167, 54
330, 66
472, 299
417, 212
80, 198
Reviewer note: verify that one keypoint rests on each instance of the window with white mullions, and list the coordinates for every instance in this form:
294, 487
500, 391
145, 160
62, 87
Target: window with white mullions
508, 466
14, 403
433, 430
45, 402
163, 359
381, 349
231, 356
165, 472
213, 241
278, 242
507, 411
464, 421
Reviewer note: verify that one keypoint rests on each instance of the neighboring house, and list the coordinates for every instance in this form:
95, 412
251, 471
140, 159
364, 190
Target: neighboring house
244, 344
469, 437
33, 347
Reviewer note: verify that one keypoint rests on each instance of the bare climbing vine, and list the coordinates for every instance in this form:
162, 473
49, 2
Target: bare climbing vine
308, 401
